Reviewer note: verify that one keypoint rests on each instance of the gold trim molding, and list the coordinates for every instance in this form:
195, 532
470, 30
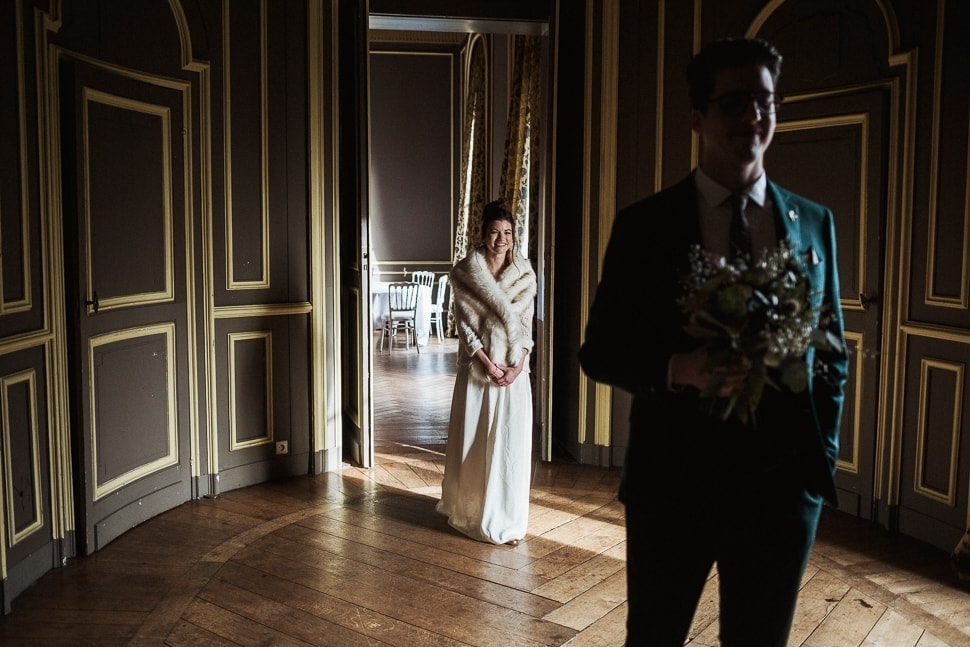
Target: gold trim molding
15, 536
262, 310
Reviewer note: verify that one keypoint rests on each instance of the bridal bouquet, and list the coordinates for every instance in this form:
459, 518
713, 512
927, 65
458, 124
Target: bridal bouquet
753, 314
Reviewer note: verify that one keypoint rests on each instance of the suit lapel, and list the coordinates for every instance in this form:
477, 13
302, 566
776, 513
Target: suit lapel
786, 217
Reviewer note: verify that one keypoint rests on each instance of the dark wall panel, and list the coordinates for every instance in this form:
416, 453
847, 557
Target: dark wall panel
933, 488
263, 398
260, 126
412, 156
21, 273
24, 428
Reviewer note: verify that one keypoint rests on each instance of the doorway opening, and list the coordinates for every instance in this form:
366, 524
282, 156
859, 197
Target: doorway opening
409, 391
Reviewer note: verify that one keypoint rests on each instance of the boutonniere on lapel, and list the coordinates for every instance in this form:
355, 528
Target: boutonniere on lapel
754, 313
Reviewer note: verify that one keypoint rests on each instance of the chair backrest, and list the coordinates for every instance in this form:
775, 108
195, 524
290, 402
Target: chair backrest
442, 287
424, 278
402, 299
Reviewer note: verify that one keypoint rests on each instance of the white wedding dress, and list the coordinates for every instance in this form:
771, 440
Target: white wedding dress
488, 463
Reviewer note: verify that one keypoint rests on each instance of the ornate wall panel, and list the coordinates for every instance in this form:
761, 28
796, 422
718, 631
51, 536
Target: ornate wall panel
933, 486
940, 276
14, 224
261, 121
246, 114
250, 389
23, 478
27, 534
21, 247
261, 398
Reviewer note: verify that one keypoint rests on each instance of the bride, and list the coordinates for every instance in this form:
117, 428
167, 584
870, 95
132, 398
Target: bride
485, 492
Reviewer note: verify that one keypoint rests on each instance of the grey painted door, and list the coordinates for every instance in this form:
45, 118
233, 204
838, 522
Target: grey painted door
125, 196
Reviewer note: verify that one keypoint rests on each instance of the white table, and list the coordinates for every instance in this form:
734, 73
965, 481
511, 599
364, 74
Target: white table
422, 315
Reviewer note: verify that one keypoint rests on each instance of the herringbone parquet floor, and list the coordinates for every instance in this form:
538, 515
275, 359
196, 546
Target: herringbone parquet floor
359, 557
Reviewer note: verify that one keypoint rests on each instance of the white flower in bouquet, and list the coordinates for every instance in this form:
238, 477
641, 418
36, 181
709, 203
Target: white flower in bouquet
756, 315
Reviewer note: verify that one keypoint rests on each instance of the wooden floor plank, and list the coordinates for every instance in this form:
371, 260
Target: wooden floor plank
850, 622
585, 575
929, 640
893, 630
186, 634
579, 540
818, 597
608, 631
591, 605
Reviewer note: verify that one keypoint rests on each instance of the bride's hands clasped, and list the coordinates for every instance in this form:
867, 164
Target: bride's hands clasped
510, 373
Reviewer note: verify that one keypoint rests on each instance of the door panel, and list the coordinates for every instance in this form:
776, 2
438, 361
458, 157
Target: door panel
356, 340
833, 148
125, 212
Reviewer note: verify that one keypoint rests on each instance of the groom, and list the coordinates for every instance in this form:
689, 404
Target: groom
700, 490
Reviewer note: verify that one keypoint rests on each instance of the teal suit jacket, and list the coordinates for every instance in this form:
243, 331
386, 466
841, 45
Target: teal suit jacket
635, 325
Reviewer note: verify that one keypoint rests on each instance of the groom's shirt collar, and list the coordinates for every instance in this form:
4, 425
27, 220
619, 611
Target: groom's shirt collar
715, 214
715, 193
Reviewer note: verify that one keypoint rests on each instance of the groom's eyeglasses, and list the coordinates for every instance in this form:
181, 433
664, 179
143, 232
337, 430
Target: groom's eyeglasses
736, 103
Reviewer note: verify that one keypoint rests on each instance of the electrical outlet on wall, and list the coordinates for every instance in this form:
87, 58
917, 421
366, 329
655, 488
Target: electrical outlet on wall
282, 447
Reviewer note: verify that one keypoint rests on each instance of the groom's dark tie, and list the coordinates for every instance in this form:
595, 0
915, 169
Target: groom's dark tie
740, 232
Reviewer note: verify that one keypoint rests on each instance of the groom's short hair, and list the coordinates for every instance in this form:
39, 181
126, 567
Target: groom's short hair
723, 54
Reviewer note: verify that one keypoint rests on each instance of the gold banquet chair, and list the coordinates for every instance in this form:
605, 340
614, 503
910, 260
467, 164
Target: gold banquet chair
423, 278
402, 306
438, 307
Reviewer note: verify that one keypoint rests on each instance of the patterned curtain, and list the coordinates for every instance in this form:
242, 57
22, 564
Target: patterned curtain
519, 174
472, 190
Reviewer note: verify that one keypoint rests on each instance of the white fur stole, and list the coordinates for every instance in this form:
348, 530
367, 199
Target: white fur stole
497, 312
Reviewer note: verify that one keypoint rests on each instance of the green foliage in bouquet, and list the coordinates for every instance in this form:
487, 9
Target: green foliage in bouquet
756, 315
